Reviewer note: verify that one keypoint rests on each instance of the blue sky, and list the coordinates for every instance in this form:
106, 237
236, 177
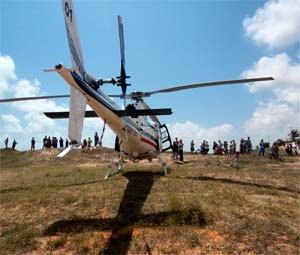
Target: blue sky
167, 43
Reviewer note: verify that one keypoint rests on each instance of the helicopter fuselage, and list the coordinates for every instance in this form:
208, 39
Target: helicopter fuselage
139, 139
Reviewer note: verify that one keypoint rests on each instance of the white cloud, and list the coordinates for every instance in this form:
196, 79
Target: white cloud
272, 119
290, 95
29, 113
11, 124
277, 114
285, 72
25, 88
38, 123
7, 73
276, 24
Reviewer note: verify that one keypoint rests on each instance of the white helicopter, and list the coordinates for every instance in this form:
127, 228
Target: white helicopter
137, 137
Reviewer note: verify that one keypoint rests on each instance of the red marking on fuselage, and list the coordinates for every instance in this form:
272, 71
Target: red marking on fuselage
149, 142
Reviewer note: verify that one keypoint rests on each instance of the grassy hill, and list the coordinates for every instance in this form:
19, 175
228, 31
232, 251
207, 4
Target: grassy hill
64, 206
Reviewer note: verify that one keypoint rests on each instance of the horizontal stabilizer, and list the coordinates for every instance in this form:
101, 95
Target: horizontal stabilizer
65, 115
144, 112
121, 113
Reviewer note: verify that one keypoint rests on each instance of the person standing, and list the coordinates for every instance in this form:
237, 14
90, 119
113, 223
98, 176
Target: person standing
32, 144
14, 144
230, 148
96, 139
249, 145
192, 146
48, 143
261, 148
44, 142
89, 142
236, 161
175, 151
242, 146
67, 143
202, 148
180, 150
215, 145
225, 147
177, 144
61, 142
233, 146
6, 143
206, 148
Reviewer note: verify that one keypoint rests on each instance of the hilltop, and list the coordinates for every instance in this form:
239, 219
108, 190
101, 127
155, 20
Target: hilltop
63, 206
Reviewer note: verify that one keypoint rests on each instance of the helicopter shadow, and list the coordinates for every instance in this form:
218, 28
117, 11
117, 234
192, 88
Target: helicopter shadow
129, 214
137, 190
242, 183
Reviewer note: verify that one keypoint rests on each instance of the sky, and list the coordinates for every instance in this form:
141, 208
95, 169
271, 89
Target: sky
167, 43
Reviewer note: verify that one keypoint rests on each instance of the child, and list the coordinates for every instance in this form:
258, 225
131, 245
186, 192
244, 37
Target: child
236, 161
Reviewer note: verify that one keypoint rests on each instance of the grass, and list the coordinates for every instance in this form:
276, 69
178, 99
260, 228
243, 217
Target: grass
59, 206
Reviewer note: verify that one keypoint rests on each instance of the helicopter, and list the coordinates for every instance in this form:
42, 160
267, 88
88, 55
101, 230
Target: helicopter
139, 133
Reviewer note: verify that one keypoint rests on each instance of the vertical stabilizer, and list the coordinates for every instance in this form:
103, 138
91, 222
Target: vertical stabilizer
78, 101
76, 117
73, 37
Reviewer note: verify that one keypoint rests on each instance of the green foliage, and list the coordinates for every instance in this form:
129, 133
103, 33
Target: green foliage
56, 243
294, 134
18, 237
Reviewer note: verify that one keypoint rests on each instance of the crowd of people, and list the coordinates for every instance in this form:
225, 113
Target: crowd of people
219, 148
244, 147
224, 148
53, 142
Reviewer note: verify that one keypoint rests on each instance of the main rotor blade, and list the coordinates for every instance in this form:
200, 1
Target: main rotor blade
207, 84
122, 46
30, 98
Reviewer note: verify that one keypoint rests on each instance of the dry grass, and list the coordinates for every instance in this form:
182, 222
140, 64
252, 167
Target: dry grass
64, 206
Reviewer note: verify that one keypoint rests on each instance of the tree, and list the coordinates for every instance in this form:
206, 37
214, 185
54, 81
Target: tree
294, 134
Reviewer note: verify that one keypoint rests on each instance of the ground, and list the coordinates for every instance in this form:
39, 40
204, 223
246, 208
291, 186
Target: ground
64, 206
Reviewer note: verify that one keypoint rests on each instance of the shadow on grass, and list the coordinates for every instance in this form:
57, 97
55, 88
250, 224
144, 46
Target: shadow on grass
129, 214
20, 189
251, 184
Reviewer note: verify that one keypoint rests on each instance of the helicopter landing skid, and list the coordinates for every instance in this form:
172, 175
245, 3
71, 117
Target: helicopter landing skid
164, 164
118, 167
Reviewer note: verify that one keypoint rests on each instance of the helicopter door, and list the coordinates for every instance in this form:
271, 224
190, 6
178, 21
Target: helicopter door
166, 142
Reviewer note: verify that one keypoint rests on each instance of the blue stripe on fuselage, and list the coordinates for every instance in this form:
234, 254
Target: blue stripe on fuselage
102, 99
